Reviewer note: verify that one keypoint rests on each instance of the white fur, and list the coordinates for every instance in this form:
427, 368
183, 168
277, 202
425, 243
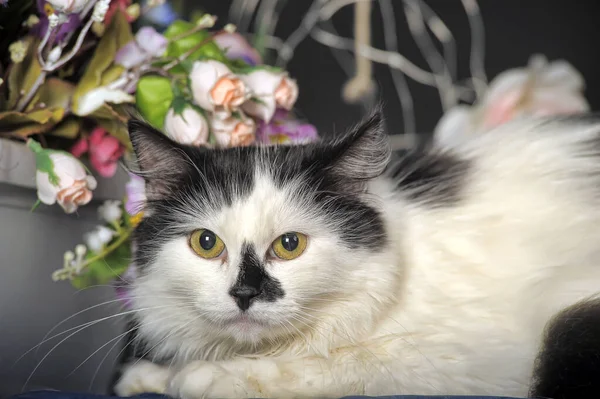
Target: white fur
142, 377
456, 305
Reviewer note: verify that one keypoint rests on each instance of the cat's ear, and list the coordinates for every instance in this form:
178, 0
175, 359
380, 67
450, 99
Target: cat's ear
363, 153
162, 162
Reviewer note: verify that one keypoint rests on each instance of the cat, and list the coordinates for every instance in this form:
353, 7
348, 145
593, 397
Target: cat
331, 268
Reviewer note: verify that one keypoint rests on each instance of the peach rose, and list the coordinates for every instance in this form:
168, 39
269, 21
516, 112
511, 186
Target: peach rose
234, 131
215, 88
73, 187
61, 178
270, 90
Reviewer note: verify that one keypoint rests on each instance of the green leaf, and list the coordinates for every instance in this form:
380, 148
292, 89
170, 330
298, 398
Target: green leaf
187, 65
54, 93
23, 75
179, 104
69, 128
35, 205
154, 96
99, 71
111, 74
24, 124
104, 270
43, 162
178, 47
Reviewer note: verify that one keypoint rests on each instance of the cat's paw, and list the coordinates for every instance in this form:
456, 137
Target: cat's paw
223, 380
143, 377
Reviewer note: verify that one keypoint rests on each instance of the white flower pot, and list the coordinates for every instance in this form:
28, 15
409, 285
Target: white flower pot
31, 248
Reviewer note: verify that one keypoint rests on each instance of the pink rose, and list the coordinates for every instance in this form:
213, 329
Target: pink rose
234, 131
215, 88
541, 89
270, 90
104, 151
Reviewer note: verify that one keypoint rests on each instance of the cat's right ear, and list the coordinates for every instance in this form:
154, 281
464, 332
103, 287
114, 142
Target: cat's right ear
162, 162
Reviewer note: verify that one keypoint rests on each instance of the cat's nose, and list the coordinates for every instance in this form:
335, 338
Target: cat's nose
244, 295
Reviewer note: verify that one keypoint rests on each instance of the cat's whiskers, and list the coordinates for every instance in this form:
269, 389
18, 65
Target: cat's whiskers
114, 345
77, 329
167, 336
117, 300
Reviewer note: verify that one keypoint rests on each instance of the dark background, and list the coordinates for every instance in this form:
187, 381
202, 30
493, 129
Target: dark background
515, 29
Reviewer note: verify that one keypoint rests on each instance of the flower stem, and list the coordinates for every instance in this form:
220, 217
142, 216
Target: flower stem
108, 250
24, 102
52, 67
191, 51
117, 227
185, 34
40, 48
75, 48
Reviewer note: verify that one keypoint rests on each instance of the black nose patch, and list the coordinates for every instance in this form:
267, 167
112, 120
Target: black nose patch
253, 282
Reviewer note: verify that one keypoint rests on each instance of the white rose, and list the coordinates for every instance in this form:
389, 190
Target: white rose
189, 127
110, 211
68, 6
269, 91
97, 239
234, 131
215, 88
73, 187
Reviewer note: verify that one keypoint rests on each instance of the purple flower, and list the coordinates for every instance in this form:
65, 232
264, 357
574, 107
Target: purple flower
163, 15
148, 43
136, 194
236, 47
73, 21
122, 285
283, 129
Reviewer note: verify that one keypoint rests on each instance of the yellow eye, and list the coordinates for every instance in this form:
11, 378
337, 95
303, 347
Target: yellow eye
206, 244
289, 246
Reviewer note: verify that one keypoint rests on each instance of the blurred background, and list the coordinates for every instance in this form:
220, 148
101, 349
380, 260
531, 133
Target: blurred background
429, 56
512, 32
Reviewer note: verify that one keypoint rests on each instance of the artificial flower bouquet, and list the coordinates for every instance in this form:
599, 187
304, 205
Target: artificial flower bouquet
72, 73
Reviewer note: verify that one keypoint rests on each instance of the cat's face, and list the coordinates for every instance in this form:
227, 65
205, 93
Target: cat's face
249, 244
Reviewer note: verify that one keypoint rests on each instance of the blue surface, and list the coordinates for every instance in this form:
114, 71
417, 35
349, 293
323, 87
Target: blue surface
68, 395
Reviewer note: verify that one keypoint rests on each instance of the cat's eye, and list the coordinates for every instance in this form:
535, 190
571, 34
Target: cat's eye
289, 246
206, 244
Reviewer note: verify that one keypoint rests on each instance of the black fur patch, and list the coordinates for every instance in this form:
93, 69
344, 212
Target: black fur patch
435, 179
359, 224
254, 281
568, 366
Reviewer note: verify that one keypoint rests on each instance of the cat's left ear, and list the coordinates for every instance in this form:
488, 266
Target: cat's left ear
363, 153
163, 163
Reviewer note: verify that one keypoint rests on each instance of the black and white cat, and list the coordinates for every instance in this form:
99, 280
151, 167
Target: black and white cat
324, 270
